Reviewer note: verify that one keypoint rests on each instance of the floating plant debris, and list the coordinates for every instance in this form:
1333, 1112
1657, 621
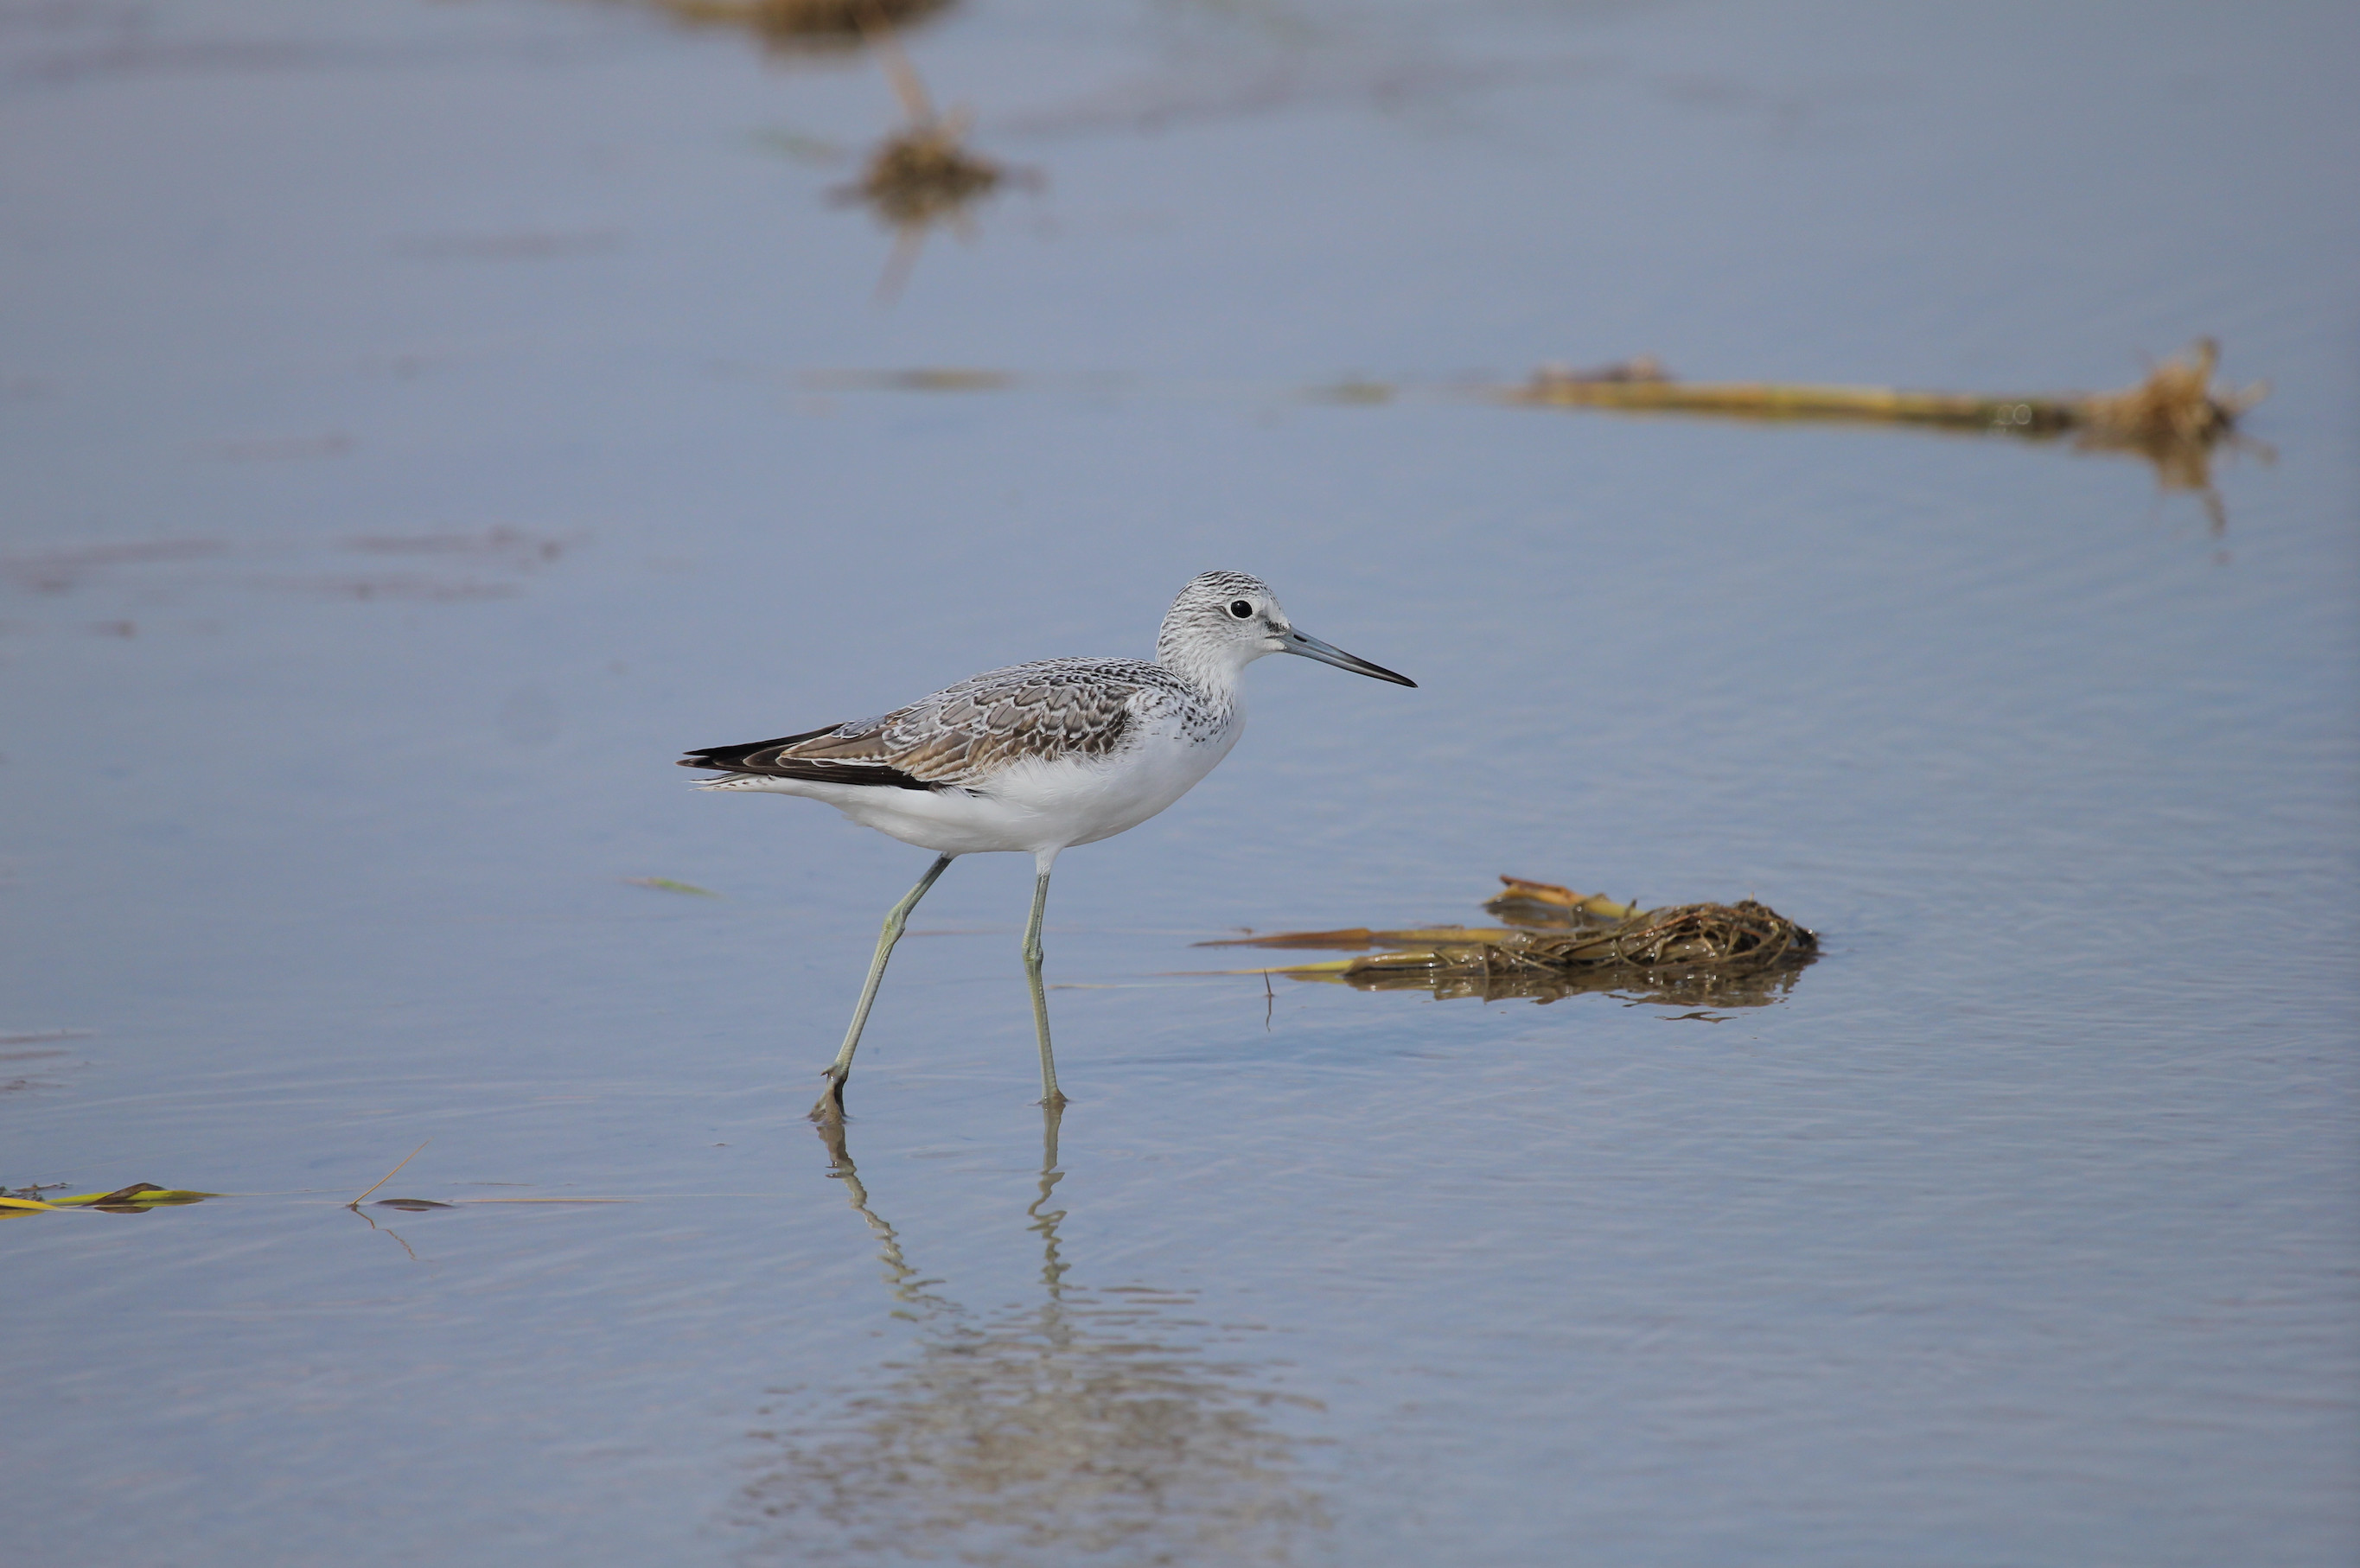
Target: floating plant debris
922, 174
666, 885
1522, 902
137, 1199
140, 1197
806, 25
2177, 402
356, 1203
1741, 954
2174, 418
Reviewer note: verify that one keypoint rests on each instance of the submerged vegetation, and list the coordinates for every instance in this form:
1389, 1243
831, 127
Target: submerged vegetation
1562, 943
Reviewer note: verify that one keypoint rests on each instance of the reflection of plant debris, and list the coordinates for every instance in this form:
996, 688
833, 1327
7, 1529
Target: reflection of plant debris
2174, 419
666, 885
806, 25
1741, 954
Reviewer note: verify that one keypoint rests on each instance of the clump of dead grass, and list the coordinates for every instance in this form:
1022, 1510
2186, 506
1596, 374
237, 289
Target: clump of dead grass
923, 174
1741, 954
2174, 419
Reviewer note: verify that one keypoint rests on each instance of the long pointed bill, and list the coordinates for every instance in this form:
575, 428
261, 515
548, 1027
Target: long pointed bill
1310, 647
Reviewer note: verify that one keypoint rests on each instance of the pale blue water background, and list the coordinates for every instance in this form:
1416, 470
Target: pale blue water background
415, 432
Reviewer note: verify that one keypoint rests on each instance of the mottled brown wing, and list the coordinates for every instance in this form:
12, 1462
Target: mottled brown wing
970, 730
777, 759
959, 736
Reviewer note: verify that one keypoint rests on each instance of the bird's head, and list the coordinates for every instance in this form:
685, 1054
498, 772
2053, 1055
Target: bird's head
1223, 621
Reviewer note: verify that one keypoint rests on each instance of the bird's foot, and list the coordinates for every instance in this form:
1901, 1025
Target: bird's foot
829, 1109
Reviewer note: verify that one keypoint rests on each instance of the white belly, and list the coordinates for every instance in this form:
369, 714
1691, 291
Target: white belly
1033, 806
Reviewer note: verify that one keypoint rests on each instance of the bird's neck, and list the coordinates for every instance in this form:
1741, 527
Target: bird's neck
1212, 671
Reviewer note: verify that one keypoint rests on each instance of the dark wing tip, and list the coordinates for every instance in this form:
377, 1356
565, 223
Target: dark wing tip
763, 757
727, 758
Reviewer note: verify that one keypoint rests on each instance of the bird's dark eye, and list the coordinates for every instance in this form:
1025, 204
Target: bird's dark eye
1241, 609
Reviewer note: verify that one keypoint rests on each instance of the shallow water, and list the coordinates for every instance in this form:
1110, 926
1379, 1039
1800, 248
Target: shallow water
423, 420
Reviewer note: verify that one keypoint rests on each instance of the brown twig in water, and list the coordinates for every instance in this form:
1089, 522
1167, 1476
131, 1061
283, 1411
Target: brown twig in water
1521, 901
389, 1175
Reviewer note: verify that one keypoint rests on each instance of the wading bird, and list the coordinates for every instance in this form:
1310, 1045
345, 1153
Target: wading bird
1035, 759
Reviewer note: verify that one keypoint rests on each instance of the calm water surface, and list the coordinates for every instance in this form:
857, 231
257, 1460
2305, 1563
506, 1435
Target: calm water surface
423, 421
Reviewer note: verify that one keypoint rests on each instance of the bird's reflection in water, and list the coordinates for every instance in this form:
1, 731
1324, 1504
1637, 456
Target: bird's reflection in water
1094, 1425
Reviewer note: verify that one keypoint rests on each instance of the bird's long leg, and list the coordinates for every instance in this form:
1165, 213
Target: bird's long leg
1033, 956
831, 1100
